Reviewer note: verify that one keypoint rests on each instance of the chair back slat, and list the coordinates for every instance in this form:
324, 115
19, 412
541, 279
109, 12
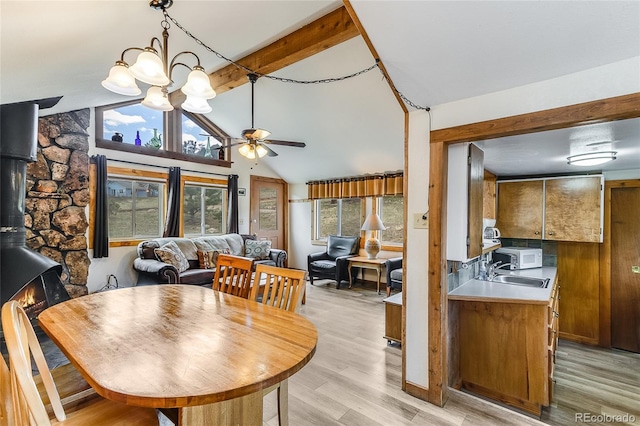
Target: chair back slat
281, 288
22, 344
233, 275
6, 405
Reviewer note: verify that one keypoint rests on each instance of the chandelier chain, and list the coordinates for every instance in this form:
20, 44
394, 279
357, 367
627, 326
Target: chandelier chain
283, 79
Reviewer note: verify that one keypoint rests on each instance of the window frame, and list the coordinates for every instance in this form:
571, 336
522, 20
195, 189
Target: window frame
172, 129
203, 183
377, 203
315, 211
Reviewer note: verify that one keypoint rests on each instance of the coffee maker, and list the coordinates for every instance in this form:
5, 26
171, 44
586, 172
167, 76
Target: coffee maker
490, 234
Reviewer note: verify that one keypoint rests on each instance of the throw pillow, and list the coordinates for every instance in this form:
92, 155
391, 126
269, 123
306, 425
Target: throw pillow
209, 258
170, 253
258, 250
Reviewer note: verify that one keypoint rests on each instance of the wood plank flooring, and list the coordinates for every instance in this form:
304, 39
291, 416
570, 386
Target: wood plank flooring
355, 377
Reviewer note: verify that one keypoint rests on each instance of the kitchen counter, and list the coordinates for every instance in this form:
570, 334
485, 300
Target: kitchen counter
479, 290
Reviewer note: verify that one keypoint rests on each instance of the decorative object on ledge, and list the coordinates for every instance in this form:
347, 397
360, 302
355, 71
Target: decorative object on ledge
591, 158
155, 69
117, 137
372, 245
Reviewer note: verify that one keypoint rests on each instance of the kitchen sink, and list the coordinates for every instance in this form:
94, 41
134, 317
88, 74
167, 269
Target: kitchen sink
519, 280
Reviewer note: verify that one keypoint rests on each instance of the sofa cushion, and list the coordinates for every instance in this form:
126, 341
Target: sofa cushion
324, 264
197, 276
170, 253
396, 274
232, 242
257, 249
208, 259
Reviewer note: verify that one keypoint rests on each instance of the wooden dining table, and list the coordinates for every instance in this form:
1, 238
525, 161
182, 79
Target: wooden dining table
206, 353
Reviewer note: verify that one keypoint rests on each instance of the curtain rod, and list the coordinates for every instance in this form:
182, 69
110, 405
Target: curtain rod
164, 167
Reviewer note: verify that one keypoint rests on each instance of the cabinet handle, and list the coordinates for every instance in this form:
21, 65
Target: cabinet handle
556, 314
536, 233
550, 232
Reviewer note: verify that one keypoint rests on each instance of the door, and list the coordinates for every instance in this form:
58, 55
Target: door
625, 269
268, 210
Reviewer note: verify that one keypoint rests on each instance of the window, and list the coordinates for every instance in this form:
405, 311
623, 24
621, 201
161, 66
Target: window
198, 141
179, 135
338, 217
391, 211
135, 208
205, 210
134, 125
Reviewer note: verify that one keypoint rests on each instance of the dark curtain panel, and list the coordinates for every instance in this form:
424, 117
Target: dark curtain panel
232, 194
172, 220
101, 213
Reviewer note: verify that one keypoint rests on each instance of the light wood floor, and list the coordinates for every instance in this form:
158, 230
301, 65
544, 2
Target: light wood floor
355, 377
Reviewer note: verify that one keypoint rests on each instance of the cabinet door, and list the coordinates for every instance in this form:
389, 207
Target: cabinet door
476, 187
520, 209
573, 209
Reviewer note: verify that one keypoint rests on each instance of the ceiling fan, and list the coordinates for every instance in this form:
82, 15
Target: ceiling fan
254, 143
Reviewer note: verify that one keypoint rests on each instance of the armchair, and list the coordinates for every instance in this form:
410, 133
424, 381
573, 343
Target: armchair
394, 274
333, 264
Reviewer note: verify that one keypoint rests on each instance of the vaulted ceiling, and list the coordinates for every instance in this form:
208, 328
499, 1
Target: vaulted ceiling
434, 51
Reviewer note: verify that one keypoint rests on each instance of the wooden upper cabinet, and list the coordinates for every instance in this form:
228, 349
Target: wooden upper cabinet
560, 209
520, 209
573, 209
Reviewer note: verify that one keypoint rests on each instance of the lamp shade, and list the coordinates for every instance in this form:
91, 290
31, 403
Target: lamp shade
149, 68
261, 151
246, 150
373, 223
196, 105
121, 81
157, 99
198, 84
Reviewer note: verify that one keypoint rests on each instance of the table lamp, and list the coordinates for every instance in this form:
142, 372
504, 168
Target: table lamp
372, 245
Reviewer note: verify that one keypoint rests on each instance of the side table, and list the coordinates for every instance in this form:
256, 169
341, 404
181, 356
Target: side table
364, 262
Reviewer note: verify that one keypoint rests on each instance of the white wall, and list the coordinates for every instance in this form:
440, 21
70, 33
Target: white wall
417, 260
120, 259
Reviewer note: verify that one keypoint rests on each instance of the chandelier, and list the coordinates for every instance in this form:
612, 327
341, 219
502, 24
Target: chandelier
155, 69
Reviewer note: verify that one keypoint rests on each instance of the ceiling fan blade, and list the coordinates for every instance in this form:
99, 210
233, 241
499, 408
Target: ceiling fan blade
286, 143
238, 142
270, 152
260, 134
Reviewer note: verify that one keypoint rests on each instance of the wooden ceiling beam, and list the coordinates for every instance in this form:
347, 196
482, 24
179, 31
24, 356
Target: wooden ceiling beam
321, 34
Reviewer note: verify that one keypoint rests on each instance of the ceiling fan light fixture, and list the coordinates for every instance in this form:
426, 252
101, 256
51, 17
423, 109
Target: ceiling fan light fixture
121, 81
157, 99
246, 150
196, 105
261, 151
198, 84
149, 68
591, 158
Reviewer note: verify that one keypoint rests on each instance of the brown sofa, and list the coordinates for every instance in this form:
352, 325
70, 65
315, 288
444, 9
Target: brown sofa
153, 271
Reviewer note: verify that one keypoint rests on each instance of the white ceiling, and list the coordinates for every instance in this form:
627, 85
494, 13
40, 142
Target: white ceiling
435, 52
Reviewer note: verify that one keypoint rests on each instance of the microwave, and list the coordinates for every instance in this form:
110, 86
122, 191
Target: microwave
519, 257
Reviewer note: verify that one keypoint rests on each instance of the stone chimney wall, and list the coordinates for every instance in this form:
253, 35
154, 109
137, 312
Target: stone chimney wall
57, 194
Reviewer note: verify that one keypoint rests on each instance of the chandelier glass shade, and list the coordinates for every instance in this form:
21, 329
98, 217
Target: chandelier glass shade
153, 67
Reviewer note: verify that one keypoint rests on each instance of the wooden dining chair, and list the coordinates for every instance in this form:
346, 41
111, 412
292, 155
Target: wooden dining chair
6, 405
233, 275
282, 288
28, 406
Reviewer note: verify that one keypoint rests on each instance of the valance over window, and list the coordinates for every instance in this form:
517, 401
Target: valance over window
357, 187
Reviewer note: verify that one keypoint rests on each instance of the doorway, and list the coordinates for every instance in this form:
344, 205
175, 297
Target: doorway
625, 269
269, 216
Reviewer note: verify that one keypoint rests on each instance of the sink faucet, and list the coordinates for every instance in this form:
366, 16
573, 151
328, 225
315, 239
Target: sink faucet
491, 272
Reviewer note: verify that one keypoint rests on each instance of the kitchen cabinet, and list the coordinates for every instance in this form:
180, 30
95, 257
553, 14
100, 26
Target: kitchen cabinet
507, 349
558, 209
464, 201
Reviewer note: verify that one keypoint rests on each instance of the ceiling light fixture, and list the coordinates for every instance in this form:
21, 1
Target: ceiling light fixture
155, 69
591, 158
